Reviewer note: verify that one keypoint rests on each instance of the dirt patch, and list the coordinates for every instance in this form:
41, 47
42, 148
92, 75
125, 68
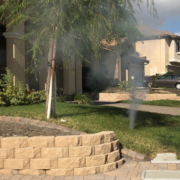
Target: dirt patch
168, 91
9, 129
145, 91
114, 90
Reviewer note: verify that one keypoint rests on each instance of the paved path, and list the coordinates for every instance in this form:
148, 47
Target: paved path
131, 170
148, 108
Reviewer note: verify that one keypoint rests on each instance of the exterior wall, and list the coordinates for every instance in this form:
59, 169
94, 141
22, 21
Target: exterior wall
72, 81
167, 51
163, 56
43, 73
175, 69
19, 61
69, 78
16, 54
78, 77
155, 51
125, 68
118, 71
173, 51
66, 79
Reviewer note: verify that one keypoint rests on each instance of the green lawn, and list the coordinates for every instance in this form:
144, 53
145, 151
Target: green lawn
153, 133
170, 103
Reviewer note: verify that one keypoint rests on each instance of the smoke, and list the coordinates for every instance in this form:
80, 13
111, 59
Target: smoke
165, 10
132, 113
98, 75
136, 78
134, 106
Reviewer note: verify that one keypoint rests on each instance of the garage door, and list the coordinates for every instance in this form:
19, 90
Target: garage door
136, 74
175, 69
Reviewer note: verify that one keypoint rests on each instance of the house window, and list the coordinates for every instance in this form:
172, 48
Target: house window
177, 46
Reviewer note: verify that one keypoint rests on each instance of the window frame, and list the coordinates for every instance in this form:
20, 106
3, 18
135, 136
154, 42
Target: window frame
178, 46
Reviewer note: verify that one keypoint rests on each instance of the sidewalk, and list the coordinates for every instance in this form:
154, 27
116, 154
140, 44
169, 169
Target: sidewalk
147, 108
131, 170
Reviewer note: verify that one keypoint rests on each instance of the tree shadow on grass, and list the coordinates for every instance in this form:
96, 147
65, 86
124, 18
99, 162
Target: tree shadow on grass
99, 110
142, 118
154, 119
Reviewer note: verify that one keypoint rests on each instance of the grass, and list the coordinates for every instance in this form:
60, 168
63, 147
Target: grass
170, 103
153, 133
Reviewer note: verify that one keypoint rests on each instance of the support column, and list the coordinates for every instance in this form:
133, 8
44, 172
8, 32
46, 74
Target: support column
72, 80
127, 74
43, 71
118, 71
78, 77
69, 78
16, 54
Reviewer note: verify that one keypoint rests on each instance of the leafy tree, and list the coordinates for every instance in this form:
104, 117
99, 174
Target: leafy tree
73, 27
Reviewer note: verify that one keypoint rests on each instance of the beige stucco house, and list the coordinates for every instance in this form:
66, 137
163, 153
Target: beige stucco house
14, 56
161, 48
155, 52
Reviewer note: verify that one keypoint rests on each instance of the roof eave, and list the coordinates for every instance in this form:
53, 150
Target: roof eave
160, 36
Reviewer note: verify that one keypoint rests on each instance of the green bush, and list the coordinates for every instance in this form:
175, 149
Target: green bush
126, 86
129, 87
152, 80
82, 99
18, 95
170, 72
61, 98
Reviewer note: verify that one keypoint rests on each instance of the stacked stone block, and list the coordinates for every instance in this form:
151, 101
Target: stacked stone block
60, 156
146, 97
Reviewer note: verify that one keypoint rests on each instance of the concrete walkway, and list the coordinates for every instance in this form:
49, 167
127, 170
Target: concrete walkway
148, 108
131, 170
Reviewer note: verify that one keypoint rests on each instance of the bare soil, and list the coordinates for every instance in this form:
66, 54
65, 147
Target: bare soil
146, 91
9, 129
168, 91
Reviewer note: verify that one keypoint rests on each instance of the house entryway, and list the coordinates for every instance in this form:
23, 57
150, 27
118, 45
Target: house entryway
3, 63
136, 74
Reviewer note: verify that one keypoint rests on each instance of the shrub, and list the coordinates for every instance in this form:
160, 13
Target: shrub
18, 95
82, 99
152, 80
61, 98
126, 86
170, 72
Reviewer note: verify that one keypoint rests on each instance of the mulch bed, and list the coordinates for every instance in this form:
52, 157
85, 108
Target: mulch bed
9, 129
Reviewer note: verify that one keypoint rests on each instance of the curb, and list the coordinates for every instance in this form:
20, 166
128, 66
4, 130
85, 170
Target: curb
134, 155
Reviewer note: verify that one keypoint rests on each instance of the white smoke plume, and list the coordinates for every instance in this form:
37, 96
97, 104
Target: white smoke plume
165, 9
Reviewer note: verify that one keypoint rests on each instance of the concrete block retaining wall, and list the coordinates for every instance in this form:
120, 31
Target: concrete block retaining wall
61, 155
148, 97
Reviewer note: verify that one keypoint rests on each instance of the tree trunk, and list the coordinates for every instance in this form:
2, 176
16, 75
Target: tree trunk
50, 54
50, 74
53, 72
54, 93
